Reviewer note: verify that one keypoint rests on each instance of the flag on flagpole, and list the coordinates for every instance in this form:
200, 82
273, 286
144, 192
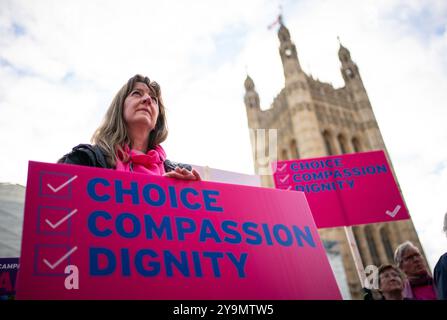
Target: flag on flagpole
274, 23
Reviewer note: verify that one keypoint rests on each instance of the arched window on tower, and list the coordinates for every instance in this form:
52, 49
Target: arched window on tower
284, 154
357, 234
294, 149
263, 142
327, 143
252, 103
342, 142
372, 246
384, 236
356, 145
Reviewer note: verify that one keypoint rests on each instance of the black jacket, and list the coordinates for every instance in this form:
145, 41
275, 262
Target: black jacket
93, 156
440, 277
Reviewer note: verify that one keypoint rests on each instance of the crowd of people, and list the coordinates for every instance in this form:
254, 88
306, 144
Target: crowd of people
409, 278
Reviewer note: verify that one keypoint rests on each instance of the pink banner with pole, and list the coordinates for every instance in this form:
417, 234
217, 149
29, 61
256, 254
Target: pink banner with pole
345, 190
93, 233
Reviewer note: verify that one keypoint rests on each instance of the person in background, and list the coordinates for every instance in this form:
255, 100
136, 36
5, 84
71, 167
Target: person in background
391, 282
420, 284
131, 134
440, 272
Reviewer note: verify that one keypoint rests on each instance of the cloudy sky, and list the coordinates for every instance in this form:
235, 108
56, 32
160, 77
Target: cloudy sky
61, 62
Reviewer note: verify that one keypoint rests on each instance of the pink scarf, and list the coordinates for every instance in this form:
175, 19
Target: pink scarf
149, 163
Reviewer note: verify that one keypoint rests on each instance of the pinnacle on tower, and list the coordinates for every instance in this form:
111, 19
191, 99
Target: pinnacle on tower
343, 54
251, 97
249, 84
288, 53
283, 32
349, 69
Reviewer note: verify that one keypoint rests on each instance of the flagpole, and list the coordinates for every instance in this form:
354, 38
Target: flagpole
356, 256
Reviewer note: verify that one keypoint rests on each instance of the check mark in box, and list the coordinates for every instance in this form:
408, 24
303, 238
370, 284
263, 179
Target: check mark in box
56, 184
282, 179
281, 168
55, 220
52, 259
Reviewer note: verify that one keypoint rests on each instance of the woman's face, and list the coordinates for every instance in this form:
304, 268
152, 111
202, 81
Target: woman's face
141, 107
390, 280
413, 263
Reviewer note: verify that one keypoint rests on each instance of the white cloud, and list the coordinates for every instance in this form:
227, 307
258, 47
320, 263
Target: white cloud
198, 51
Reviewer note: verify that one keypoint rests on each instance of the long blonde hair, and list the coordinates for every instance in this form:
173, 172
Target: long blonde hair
112, 135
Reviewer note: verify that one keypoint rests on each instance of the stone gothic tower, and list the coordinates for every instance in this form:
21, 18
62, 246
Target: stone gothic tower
315, 119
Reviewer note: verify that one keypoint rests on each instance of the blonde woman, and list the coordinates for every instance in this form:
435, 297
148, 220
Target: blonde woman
130, 136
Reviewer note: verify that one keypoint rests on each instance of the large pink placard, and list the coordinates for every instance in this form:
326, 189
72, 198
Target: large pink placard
345, 190
134, 236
